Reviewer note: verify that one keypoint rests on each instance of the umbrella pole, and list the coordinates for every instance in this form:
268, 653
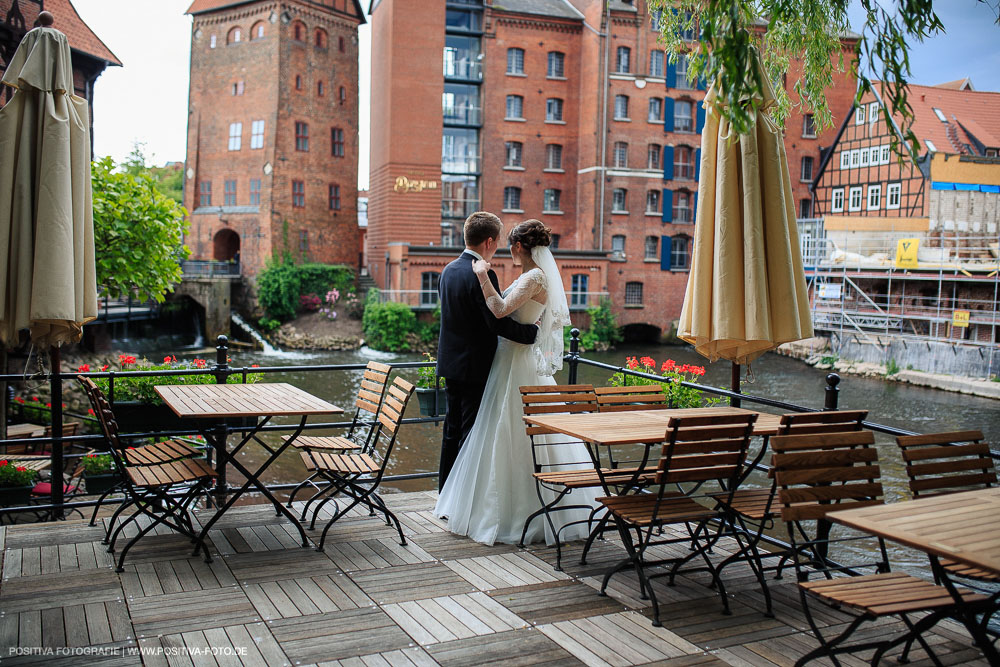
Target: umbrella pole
4, 406
55, 383
734, 384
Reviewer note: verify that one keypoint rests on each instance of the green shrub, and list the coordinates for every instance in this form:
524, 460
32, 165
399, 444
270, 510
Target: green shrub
267, 324
386, 325
282, 283
142, 389
830, 359
603, 332
678, 396
891, 368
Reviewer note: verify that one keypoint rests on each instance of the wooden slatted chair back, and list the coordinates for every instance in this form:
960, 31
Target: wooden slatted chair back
834, 421
700, 449
556, 399
390, 417
938, 463
69, 428
106, 419
825, 472
631, 397
373, 383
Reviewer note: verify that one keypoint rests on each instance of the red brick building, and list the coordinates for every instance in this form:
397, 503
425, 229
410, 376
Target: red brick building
543, 117
272, 150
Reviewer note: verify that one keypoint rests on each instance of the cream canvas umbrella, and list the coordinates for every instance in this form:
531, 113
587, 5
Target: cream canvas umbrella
746, 293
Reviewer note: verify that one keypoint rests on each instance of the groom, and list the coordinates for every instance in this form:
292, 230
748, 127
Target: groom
469, 333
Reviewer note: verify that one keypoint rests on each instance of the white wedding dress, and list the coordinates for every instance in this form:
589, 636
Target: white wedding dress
490, 490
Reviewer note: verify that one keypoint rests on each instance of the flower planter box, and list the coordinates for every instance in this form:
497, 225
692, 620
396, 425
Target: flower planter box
98, 484
136, 417
426, 398
15, 496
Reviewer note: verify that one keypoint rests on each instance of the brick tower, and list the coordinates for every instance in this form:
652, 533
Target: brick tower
272, 148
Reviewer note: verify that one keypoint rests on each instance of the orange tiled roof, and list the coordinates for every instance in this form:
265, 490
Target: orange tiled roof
81, 37
958, 84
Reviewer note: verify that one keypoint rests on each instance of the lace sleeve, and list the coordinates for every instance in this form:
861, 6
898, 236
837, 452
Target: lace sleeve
527, 286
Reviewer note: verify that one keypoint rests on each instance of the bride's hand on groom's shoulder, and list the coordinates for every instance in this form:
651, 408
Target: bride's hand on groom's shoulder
481, 267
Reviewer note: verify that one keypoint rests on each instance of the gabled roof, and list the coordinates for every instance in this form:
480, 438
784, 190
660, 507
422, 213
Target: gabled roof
202, 6
67, 21
958, 84
555, 8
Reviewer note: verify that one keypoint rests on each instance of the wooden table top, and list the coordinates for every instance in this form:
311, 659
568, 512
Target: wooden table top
25, 430
37, 463
638, 426
963, 527
272, 399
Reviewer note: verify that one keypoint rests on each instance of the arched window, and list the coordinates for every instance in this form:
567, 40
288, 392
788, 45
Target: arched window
621, 155
682, 206
319, 88
512, 198
299, 31
683, 165
429, 281
682, 116
257, 31
340, 44
623, 56
652, 247
343, 95
298, 82
320, 38
234, 36
515, 61
680, 253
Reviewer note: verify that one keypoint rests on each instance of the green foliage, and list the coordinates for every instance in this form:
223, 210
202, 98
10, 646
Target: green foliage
97, 464
267, 324
13, 475
138, 234
169, 180
387, 325
678, 396
427, 375
142, 389
428, 332
810, 30
603, 332
829, 359
280, 285
891, 368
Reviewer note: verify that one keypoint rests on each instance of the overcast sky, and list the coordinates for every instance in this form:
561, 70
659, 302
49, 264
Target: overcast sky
146, 100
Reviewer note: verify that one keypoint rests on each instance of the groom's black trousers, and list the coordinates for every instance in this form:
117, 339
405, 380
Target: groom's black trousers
463, 406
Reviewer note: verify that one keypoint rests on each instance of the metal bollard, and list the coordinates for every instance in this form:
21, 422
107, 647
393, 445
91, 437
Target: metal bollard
574, 354
832, 392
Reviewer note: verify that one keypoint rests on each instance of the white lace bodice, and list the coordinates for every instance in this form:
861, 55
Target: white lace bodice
523, 300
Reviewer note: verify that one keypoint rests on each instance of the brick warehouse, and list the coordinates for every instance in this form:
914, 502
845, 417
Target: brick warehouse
519, 132
272, 147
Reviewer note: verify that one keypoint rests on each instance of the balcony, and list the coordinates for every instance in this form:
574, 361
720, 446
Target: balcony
463, 115
579, 301
419, 299
463, 70
458, 208
460, 164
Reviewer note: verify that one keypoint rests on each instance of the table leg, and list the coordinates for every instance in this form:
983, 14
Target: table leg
967, 614
219, 443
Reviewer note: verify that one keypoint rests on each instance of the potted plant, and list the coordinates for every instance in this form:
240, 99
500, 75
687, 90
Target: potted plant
430, 389
16, 483
99, 473
678, 396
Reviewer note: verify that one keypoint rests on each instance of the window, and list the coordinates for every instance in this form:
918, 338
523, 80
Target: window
655, 16
651, 247
515, 61
653, 201
298, 82
257, 134
859, 115
863, 157
618, 198
511, 199
681, 73
553, 156
872, 112
557, 63
680, 255
845, 159
211, 42
303, 241
854, 203
656, 63
806, 173
683, 168
805, 208
301, 136
319, 88
298, 32
429, 281
298, 194
633, 294
579, 285
621, 155
808, 126
874, 197
622, 57
319, 38
621, 107
343, 95
257, 31
553, 109
618, 245
682, 116
884, 154
255, 192
555, 242
237, 88
873, 158
682, 206
333, 194
513, 149
515, 107
551, 202
235, 136
655, 110
234, 36
837, 200
229, 194
205, 193
341, 44
930, 146
653, 156
892, 195
337, 142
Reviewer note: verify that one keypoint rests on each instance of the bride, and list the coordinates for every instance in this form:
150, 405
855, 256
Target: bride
490, 491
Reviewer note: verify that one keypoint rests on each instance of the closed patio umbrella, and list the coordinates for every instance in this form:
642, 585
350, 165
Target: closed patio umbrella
746, 293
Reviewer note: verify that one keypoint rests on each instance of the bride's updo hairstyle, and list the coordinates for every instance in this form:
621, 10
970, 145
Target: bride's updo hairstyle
530, 234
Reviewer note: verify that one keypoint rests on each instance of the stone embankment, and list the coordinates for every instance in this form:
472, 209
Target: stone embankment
815, 352
291, 338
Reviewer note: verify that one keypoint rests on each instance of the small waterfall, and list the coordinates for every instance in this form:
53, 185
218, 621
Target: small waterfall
199, 339
266, 347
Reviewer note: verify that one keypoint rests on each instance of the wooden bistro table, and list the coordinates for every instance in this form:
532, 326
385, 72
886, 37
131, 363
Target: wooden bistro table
215, 403
960, 527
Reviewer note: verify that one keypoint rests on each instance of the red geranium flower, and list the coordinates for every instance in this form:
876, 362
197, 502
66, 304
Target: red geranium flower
20, 469
631, 363
35, 399
19, 399
104, 367
83, 368
90, 411
2, 463
668, 365
648, 362
166, 359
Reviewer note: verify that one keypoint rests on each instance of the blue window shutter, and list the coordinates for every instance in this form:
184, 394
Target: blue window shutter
668, 163
665, 246
701, 117
694, 208
671, 75
702, 83
668, 114
668, 206
697, 164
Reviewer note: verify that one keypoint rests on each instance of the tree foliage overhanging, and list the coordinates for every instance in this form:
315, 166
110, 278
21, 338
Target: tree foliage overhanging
727, 31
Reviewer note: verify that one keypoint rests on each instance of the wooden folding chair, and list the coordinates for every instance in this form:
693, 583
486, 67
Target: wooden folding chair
752, 511
822, 473
358, 476
697, 452
358, 437
631, 397
162, 492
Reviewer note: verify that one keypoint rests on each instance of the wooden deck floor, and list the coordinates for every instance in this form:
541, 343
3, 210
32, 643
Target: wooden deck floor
368, 601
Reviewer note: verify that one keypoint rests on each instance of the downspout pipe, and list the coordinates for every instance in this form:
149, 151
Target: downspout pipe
604, 123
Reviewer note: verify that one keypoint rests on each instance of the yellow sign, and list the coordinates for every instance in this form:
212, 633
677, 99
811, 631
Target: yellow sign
960, 318
403, 184
906, 253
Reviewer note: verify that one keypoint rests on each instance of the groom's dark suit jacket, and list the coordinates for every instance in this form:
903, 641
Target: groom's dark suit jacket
469, 330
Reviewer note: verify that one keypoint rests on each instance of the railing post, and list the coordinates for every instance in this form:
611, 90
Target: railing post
574, 354
832, 392
221, 370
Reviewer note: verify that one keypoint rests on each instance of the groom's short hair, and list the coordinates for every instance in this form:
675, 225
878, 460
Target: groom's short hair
480, 226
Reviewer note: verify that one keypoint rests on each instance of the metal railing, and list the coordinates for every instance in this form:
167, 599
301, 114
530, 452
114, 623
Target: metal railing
414, 298
204, 268
583, 300
462, 115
